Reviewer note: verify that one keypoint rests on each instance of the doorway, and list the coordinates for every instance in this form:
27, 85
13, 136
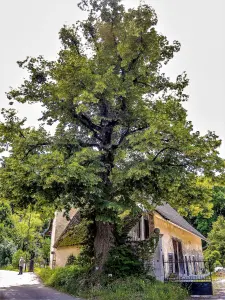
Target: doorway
178, 257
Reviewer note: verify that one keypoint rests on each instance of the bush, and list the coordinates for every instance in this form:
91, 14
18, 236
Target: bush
71, 260
124, 262
9, 268
70, 279
213, 257
44, 274
7, 249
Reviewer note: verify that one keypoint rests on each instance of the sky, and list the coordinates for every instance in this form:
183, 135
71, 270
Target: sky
30, 28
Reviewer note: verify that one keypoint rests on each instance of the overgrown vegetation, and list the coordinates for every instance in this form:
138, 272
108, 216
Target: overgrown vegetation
74, 281
123, 261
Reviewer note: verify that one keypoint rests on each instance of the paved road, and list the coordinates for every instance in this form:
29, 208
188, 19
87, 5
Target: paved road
26, 287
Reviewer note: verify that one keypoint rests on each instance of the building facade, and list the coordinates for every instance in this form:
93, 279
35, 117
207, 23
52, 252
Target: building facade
178, 252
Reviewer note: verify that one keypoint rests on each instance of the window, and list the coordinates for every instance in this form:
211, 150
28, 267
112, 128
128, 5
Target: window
146, 229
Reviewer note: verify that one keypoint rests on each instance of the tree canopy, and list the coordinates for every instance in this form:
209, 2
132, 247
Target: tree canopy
122, 137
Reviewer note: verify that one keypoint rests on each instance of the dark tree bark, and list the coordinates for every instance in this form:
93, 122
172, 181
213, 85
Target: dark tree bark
103, 242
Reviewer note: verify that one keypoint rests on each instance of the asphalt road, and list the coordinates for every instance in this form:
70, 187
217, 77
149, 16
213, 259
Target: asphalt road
26, 287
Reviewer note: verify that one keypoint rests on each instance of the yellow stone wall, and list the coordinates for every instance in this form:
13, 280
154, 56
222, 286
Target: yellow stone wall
191, 244
62, 254
59, 224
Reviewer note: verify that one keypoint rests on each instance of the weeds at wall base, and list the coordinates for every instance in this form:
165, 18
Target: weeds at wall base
74, 281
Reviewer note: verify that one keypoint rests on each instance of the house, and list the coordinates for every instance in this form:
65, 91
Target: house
179, 250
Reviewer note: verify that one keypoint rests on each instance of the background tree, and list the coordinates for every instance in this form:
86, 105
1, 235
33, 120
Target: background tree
216, 247
122, 137
6, 222
203, 219
20, 232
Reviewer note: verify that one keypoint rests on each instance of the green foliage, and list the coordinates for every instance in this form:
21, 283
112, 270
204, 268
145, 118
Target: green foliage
45, 248
203, 220
71, 280
216, 248
16, 257
23, 229
7, 248
123, 261
6, 222
9, 268
71, 260
133, 288
44, 274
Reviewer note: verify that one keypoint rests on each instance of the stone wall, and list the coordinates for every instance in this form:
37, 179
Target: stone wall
59, 224
191, 244
62, 254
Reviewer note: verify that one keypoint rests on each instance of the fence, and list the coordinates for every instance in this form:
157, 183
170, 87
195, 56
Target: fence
195, 275
187, 270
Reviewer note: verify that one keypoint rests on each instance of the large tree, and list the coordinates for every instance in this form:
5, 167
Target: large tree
122, 137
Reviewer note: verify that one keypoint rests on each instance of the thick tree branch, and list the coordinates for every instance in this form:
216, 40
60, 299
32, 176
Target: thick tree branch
164, 149
84, 120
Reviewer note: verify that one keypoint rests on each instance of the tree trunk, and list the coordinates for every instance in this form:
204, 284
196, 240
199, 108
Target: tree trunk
103, 242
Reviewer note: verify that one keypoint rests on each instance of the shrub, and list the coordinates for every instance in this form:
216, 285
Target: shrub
7, 249
44, 274
71, 260
70, 279
124, 262
213, 257
9, 268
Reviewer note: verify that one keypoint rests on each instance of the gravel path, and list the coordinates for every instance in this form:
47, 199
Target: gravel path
26, 287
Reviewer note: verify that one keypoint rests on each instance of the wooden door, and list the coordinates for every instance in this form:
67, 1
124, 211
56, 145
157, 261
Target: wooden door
180, 258
175, 248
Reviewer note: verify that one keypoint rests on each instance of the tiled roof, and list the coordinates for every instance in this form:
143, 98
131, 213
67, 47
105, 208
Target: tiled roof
167, 212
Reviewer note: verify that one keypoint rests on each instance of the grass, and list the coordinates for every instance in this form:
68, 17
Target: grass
74, 281
133, 288
9, 268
